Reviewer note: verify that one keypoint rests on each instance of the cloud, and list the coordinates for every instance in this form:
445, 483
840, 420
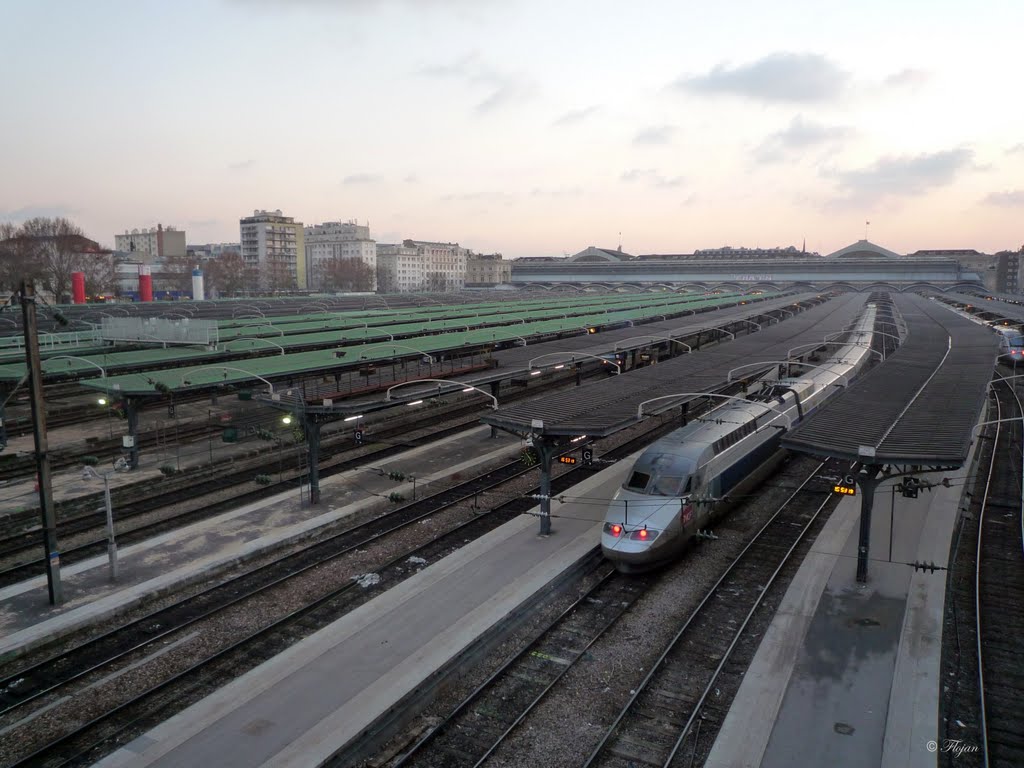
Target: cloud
652, 178
504, 88
654, 136
1009, 199
241, 165
556, 191
362, 178
54, 211
412, 178
799, 135
479, 197
1016, 149
780, 77
908, 78
574, 116
507, 92
904, 176
466, 67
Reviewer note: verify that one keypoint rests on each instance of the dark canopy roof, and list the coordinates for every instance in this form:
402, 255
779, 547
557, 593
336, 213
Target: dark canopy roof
920, 405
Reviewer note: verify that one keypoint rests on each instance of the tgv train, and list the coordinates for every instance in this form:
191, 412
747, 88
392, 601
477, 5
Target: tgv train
1011, 345
687, 478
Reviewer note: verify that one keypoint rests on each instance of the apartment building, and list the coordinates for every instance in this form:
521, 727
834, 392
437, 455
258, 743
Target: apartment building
400, 269
421, 265
335, 240
152, 244
274, 245
487, 270
208, 251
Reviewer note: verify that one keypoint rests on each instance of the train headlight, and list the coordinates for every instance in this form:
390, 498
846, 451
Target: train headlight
615, 530
643, 534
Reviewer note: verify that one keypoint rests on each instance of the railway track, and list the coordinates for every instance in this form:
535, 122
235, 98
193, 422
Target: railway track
146, 497
482, 721
985, 706
48, 679
671, 709
335, 459
24, 465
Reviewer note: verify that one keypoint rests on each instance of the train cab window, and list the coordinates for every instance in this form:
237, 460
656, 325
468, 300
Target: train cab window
671, 474
671, 485
638, 481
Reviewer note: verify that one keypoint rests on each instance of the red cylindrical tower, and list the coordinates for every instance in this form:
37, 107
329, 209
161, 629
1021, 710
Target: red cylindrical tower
145, 283
78, 287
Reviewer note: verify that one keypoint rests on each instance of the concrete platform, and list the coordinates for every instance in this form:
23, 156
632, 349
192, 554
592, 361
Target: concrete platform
193, 553
308, 702
848, 675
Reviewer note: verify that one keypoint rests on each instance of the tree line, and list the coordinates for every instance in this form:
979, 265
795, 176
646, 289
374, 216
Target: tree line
47, 251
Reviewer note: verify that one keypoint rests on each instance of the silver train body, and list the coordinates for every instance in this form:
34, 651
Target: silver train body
683, 481
1011, 345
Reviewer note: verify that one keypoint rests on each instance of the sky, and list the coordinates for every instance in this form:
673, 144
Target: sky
532, 128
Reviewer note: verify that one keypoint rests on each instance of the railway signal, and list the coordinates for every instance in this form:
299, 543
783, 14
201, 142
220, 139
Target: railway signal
845, 486
910, 487
588, 457
358, 435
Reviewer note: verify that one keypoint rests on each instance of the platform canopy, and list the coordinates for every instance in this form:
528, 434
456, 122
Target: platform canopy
919, 407
991, 309
604, 407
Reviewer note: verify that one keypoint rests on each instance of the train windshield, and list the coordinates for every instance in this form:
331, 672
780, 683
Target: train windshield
1014, 339
662, 474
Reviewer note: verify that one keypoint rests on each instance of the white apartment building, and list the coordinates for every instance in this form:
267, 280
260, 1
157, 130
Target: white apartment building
421, 265
337, 240
273, 245
153, 244
400, 269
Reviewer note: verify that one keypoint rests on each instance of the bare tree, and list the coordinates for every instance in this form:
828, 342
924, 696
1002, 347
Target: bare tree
436, 282
227, 274
50, 250
339, 274
345, 274
387, 280
19, 257
277, 274
99, 273
176, 273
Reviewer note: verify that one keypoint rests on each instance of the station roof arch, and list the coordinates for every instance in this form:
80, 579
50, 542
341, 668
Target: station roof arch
863, 249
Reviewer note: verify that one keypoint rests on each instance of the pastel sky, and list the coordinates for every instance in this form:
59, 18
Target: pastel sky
532, 127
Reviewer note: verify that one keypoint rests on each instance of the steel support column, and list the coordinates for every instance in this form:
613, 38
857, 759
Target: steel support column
868, 480
35, 386
545, 452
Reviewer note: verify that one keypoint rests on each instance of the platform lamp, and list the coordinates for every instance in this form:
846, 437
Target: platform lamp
90, 473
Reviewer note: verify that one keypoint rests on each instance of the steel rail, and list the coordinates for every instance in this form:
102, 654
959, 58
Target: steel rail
578, 652
457, 533
983, 714
655, 668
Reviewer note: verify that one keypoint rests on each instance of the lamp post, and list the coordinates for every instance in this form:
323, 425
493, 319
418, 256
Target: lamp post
90, 473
